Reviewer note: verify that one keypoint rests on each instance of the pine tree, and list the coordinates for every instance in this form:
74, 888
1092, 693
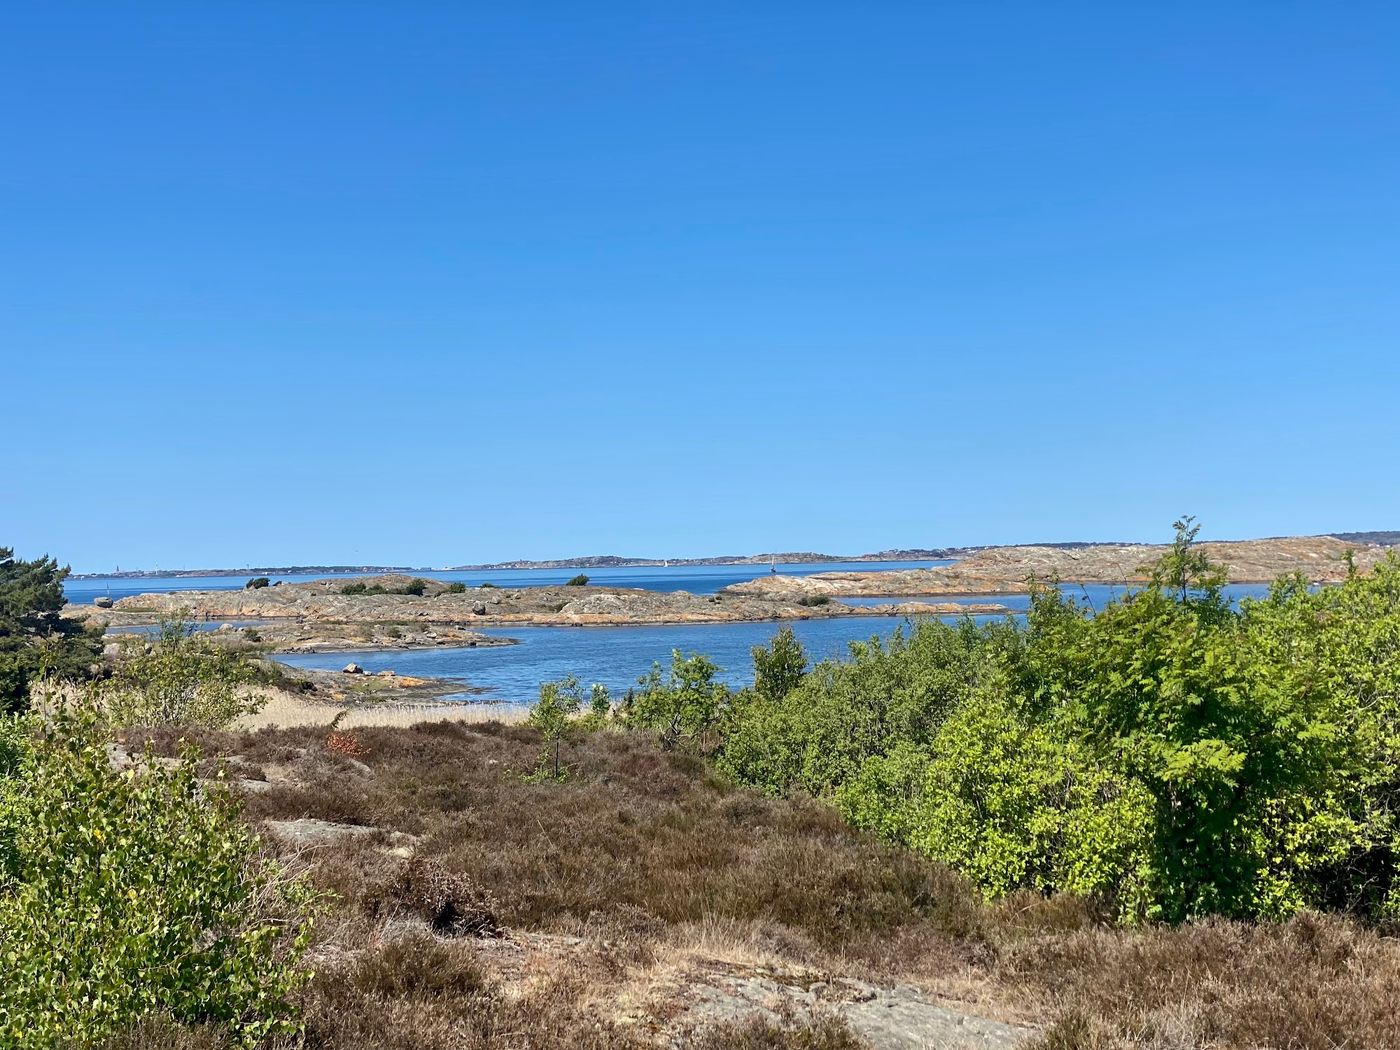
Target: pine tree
36, 641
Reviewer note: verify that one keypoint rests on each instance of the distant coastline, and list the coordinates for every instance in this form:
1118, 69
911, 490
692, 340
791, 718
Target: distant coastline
592, 561
613, 561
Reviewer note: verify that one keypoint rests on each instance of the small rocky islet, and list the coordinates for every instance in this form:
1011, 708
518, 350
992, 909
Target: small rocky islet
380, 612
396, 611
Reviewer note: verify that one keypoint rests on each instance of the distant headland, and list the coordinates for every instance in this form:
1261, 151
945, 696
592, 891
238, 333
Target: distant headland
614, 561
591, 561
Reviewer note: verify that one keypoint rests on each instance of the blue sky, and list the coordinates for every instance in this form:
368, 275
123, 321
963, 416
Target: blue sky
441, 283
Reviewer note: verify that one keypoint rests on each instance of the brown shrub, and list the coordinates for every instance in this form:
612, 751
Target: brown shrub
650, 854
757, 1033
163, 1034
421, 994
635, 832
451, 904
1314, 983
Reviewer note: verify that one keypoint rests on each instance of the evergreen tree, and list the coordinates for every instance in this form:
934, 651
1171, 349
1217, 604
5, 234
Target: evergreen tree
36, 642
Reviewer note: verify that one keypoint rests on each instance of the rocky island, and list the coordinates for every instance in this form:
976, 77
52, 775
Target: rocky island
1008, 570
402, 612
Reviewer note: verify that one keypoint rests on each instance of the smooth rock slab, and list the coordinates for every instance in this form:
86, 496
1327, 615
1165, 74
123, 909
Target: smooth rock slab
888, 1018
307, 831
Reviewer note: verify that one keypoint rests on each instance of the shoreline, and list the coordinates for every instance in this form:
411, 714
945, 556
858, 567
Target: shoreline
401, 612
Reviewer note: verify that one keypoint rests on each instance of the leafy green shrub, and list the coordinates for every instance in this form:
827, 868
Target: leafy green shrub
132, 895
257, 583
600, 708
1170, 755
778, 667
181, 678
1011, 804
456, 587
416, 587
557, 704
358, 587
821, 729
687, 705
814, 600
578, 581
486, 584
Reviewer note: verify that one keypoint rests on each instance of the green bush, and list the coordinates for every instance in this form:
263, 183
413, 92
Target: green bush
686, 705
257, 583
180, 678
417, 587
1011, 804
820, 730
135, 895
552, 714
456, 587
578, 581
1170, 755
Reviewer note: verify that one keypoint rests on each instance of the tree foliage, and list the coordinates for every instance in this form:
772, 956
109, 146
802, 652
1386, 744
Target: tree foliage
684, 705
132, 895
179, 678
36, 642
1170, 755
552, 715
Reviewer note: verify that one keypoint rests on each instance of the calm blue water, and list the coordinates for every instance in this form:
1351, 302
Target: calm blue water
698, 579
614, 656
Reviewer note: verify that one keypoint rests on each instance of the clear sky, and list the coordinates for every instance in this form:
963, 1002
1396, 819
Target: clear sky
439, 283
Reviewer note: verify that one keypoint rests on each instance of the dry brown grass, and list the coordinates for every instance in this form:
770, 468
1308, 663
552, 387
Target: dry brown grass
635, 840
662, 868
422, 994
286, 710
825, 1033
1314, 983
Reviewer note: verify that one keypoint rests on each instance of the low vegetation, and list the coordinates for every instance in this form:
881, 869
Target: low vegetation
1165, 757
257, 583
577, 581
667, 871
1168, 822
416, 587
179, 678
133, 893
